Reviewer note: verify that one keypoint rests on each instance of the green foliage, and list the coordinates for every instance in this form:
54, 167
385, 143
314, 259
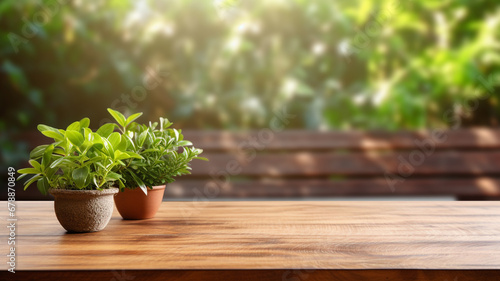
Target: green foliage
77, 159
233, 63
159, 148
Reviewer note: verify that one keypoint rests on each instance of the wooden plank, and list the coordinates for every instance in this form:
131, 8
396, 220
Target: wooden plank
210, 188
349, 164
262, 275
188, 236
476, 138
303, 188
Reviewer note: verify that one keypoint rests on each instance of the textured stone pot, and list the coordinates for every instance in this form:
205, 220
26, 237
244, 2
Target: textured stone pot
83, 210
133, 204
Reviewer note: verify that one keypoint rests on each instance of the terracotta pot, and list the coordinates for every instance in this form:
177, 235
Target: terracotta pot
83, 210
133, 204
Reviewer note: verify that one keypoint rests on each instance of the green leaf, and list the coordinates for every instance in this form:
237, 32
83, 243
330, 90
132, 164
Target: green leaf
139, 182
120, 183
101, 165
85, 146
31, 180
47, 155
55, 135
85, 122
166, 123
36, 165
87, 133
115, 140
80, 176
75, 126
43, 128
108, 147
123, 144
97, 138
59, 151
94, 160
58, 161
120, 119
22, 176
94, 180
150, 150
142, 138
184, 143
43, 185
134, 155
98, 145
132, 117
28, 171
38, 151
75, 137
106, 130
176, 134
130, 143
121, 155
50, 172
151, 137
112, 176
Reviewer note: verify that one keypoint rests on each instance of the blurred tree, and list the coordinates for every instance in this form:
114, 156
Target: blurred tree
356, 64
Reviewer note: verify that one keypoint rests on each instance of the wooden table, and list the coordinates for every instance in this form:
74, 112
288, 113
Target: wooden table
267, 241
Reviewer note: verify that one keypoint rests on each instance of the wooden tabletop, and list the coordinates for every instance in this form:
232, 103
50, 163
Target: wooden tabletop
268, 241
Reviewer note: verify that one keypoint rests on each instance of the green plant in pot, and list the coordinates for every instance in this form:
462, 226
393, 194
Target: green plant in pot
77, 168
164, 155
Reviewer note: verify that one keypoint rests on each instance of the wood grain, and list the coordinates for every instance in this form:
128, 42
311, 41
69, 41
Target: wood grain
350, 164
479, 187
350, 237
474, 138
300, 187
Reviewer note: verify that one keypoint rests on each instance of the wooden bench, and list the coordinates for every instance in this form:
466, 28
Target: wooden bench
294, 164
462, 163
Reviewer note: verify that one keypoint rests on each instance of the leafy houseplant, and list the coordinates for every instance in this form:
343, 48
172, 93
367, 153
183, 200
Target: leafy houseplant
78, 169
160, 161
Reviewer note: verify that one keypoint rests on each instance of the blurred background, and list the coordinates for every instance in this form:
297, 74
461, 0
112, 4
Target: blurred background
346, 65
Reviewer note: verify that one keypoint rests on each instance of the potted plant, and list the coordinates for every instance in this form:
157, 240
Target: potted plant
78, 170
143, 180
